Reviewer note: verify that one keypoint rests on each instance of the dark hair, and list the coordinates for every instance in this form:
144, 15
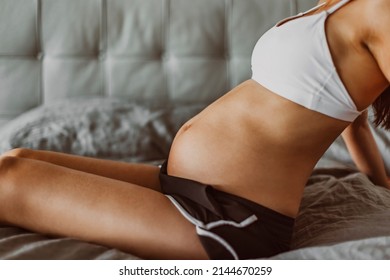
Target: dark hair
381, 108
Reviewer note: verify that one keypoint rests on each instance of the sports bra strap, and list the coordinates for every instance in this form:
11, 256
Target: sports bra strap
337, 6
312, 9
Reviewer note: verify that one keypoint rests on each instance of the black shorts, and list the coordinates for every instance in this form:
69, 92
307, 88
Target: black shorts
229, 227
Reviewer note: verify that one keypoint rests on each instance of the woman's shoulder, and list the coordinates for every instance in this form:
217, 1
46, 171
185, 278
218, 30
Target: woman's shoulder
377, 21
377, 13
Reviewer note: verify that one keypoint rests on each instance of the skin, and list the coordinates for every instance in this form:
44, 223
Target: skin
240, 144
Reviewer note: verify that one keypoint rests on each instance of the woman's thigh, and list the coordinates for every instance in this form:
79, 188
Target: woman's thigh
56, 200
140, 174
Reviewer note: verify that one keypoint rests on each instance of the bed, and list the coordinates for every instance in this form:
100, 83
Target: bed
75, 77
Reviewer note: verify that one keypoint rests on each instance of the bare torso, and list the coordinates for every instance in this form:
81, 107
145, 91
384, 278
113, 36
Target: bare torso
260, 146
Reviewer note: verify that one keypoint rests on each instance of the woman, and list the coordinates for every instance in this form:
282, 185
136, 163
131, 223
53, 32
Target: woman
236, 172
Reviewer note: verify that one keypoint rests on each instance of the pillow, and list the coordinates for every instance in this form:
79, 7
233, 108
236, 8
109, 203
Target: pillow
105, 128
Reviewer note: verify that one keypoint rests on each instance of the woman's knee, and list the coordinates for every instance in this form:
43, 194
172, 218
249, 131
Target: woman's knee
19, 153
11, 164
7, 163
10, 161
11, 171
9, 174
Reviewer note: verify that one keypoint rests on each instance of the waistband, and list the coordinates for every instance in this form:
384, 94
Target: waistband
218, 202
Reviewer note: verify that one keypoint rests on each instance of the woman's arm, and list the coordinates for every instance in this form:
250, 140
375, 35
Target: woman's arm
364, 150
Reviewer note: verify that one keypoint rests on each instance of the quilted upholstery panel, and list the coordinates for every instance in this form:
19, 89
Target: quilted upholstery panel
66, 77
20, 79
18, 29
136, 28
71, 27
160, 52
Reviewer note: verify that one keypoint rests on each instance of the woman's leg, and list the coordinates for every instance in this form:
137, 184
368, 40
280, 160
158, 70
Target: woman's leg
60, 201
140, 174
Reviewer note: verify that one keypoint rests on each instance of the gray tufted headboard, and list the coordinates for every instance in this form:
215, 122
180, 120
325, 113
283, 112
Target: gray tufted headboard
161, 52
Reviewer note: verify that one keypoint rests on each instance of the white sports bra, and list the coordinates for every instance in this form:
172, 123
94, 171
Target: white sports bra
293, 60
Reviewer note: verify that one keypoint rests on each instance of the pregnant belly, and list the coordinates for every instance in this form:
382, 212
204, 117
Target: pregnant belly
231, 159
225, 154
199, 153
